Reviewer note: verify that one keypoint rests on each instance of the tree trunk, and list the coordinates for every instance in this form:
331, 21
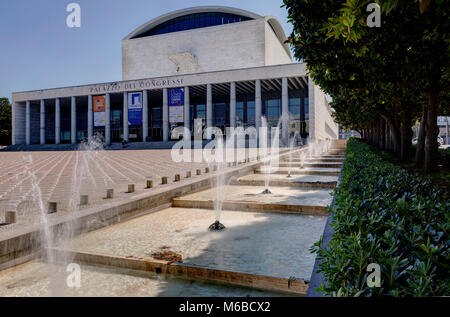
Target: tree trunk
406, 136
387, 137
381, 134
395, 134
420, 151
376, 131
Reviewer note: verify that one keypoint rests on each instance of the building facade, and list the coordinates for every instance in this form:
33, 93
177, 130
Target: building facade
444, 129
225, 66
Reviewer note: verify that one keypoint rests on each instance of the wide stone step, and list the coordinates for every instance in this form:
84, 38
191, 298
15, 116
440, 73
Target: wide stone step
326, 156
330, 154
311, 164
249, 198
307, 159
302, 181
304, 171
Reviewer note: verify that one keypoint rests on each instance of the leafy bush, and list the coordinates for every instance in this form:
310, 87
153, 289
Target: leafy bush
5, 121
384, 215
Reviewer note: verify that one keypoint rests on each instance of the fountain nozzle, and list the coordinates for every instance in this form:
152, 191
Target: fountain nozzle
216, 226
266, 191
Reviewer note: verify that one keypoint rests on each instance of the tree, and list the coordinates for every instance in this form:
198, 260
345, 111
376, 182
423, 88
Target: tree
5, 122
388, 72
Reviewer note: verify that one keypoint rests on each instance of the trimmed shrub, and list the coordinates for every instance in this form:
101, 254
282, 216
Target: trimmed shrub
384, 215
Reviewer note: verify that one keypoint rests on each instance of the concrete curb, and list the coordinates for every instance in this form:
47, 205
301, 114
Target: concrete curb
284, 183
268, 283
252, 206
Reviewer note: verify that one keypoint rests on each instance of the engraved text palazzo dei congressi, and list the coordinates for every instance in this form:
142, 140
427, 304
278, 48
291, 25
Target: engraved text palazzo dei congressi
136, 85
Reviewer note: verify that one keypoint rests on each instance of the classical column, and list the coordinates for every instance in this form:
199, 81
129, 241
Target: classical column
73, 126
311, 105
126, 130
165, 116
90, 119
285, 111
145, 116
209, 111
108, 119
187, 108
57, 121
233, 105
28, 123
14, 121
258, 104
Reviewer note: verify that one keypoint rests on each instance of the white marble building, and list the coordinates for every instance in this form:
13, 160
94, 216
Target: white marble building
231, 67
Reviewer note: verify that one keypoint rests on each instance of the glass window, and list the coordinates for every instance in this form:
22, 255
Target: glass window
239, 113
194, 21
115, 119
294, 108
156, 117
273, 111
250, 112
200, 112
191, 114
306, 102
220, 114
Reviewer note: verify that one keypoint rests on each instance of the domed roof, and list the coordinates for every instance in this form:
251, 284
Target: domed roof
194, 10
146, 28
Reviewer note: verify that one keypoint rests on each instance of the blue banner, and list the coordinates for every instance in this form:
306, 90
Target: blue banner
176, 97
135, 108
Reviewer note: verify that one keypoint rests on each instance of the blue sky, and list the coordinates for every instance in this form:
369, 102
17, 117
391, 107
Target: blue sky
39, 51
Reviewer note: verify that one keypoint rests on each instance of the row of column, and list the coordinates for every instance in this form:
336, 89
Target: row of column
209, 114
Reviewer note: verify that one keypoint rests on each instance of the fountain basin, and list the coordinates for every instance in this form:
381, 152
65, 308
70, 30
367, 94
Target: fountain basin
33, 279
264, 244
249, 198
302, 181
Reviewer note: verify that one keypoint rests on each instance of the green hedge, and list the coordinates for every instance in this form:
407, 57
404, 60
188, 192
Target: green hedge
384, 215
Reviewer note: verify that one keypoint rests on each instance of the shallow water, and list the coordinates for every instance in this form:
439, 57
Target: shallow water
266, 244
280, 195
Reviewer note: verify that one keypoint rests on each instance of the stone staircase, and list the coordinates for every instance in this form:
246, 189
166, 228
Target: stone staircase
296, 187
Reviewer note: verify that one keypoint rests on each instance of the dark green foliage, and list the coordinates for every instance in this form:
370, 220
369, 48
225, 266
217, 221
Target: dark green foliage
385, 215
381, 79
5, 121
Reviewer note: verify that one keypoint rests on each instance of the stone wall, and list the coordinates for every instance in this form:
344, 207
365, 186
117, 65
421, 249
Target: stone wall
275, 52
19, 110
231, 46
322, 125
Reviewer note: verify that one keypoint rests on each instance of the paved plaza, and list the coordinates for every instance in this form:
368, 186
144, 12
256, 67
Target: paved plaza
29, 178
